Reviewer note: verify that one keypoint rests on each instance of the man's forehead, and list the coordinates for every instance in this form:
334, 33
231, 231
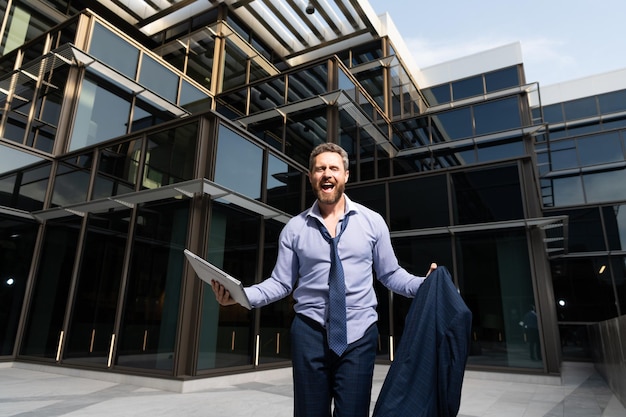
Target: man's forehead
328, 157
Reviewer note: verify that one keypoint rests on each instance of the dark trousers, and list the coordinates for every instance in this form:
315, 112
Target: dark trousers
532, 337
321, 377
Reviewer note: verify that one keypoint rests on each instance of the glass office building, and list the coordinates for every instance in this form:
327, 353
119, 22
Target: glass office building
130, 131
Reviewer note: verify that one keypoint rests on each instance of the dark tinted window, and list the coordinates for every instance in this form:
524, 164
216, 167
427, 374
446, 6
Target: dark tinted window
581, 108
584, 230
497, 116
499, 80
487, 195
612, 102
438, 95
582, 293
563, 155
553, 113
467, 88
567, 191
419, 203
452, 125
601, 187
600, 149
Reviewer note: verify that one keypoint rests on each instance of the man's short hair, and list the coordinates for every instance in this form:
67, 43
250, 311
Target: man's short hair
329, 147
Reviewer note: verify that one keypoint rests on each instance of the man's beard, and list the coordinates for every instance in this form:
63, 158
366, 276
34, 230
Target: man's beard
332, 198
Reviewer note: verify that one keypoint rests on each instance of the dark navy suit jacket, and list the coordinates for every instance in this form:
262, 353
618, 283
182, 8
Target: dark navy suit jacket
426, 376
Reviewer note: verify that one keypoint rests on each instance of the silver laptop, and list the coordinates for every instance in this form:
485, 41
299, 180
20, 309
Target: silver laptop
208, 272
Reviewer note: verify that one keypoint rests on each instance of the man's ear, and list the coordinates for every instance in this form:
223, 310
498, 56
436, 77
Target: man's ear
347, 175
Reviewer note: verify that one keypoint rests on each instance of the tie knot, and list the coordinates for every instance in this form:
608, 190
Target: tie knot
326, 234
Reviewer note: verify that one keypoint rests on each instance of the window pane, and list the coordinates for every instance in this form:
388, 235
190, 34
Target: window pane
581, 292
497, 116
500, 150
114, 51
226, 334
567, 191
52, 284
238, 164
618, 270
284, 186
171, 156
600, 187
615, 224
159, 79
117, 169
581, 108
467, 88
419, 203
71, 182
275, 343
553, 113
94, 309
499, 80
600, 149
487, 195
27, 190
371, 196
17, 241
438, 95
499, 293
584, 230
149, 325
563, 155
101, 115
452, 125
612, 102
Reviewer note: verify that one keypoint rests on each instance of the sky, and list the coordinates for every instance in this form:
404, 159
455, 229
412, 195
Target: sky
561, 40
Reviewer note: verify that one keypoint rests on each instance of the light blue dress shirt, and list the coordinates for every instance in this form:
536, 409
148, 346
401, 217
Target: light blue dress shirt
303, 266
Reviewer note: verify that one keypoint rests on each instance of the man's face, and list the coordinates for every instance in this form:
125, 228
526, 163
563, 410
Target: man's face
328, 177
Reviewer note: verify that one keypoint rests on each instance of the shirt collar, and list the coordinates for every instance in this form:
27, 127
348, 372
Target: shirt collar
314, 211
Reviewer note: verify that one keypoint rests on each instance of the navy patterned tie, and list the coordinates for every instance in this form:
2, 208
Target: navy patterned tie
337, 335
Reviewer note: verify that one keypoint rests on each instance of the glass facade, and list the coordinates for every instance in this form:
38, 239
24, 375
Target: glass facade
117, 152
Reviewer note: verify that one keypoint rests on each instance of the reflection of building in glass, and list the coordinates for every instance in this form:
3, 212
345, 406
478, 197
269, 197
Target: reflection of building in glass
129, 133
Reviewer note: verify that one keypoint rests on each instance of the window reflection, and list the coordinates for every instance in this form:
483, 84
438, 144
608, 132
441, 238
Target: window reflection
487, 195
497, 287
501, 79
406, 202
584, 230
600, 149
284, 186
615, 226
567, 191
51, 288
239, 163
71, 182
274, 331
95, 305
170, 156
600, 187
467, 88
149, 325
307, 83
101, 115
584, 289
25, 190
497, 116
158, 78
226, 333
114, 51
452, 125
118, 168
17, 241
